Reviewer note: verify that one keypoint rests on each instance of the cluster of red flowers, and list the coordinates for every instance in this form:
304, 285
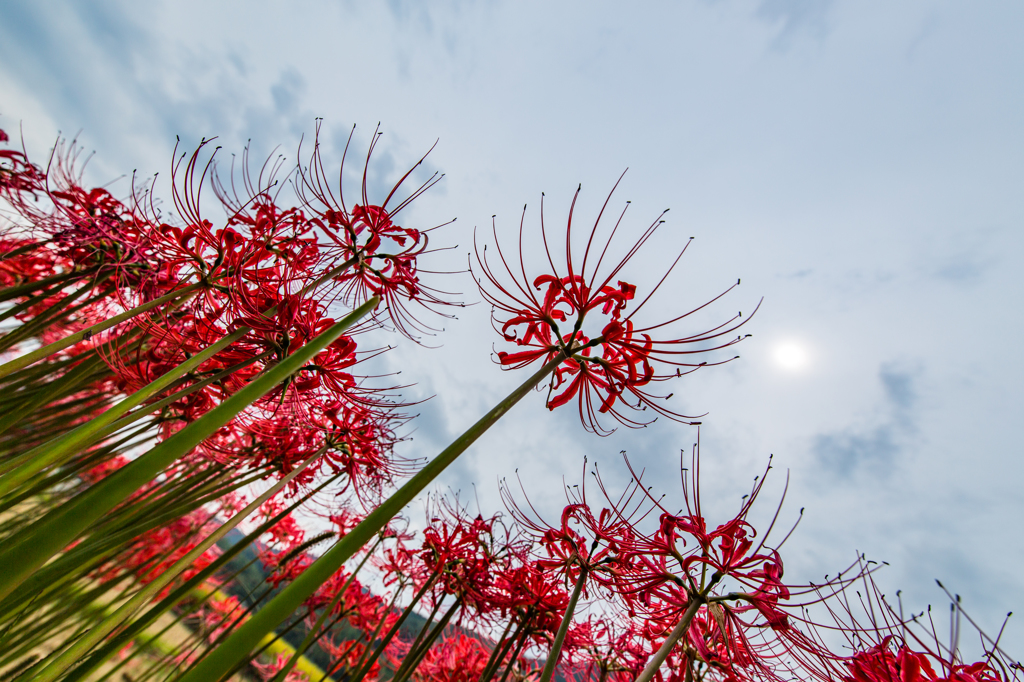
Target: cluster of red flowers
271, 275
646, 571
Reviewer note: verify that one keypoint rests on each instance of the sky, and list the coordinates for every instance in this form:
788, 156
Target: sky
857, 164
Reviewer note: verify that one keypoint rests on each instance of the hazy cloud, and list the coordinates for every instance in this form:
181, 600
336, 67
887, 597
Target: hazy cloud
899, 385
875, 446
794, 16
964, 268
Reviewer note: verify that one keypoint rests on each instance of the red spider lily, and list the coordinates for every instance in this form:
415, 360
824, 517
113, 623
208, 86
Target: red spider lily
357, 605
461, 551
90, 227
458, 658
663, 571
254, 271
891, 648
582, 540
219, 614
400, 563
346, 656
739, 611
269, 671
887, 662
31, 265
323, 407
607, 371
537, 597
152, 553
603, 648
383, 256
101, 231
287, 531
711, 650
17, 175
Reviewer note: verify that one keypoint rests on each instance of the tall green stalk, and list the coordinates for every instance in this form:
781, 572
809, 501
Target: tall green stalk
315, 632
32, 547
58, 449
189, 587
363, 669
659, 657
416, 654
556, 646
221, 660
96, 634
27, 359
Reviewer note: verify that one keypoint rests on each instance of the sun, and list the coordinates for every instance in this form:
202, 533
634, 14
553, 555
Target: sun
791, 356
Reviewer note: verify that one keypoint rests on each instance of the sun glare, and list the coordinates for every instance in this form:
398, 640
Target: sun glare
791, 356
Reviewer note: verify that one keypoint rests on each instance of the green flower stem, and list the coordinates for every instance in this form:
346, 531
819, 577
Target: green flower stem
21, 250
366, 666
129, 438
39, 396
415, 656
424, 629
58, 449
658, 658
40, 353
95, 635
29, 303
32, 547
370, 638
76, 612
513, 658
556, 646
35, 300
27, 288
497, 652
314, 632
174, 397
27, 377
53, 391
243, 640
114, 532
40, 322
189, 587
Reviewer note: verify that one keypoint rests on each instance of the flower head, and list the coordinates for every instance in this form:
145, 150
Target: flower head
611, 369
382, 256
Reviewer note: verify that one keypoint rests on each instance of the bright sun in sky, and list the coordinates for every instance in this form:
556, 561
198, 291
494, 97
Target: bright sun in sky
791, 356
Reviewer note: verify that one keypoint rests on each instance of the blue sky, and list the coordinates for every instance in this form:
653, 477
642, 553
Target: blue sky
857, 164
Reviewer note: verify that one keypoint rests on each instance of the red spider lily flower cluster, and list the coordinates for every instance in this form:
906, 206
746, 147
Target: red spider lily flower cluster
269, 671
887, 663
458, 658
274, 271
585, 545
606, 648
613, 371
219, 613
888, 647
657, 566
